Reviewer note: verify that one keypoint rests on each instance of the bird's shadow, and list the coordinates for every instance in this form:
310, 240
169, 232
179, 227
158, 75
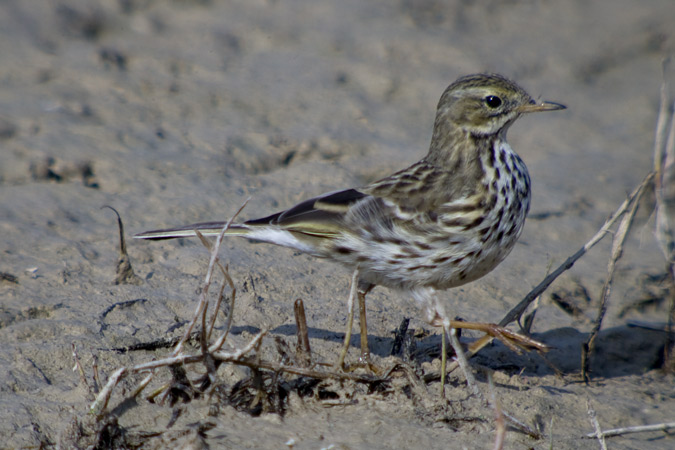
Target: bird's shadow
619, 351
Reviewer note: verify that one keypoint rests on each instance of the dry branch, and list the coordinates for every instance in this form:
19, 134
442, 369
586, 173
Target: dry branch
211, 353
618, 242
664, 167
593, 417
500, 435
516, 312
665, 427
664, 189
101, 401
124, 273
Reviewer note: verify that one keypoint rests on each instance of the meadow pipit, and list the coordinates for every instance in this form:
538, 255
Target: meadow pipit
442, 222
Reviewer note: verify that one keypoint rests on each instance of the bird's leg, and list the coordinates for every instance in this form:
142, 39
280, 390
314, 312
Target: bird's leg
444, 362
436, 315
450, 332
353, 290
363, 289
461, 358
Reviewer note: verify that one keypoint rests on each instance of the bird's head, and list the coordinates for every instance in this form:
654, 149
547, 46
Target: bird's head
485, 104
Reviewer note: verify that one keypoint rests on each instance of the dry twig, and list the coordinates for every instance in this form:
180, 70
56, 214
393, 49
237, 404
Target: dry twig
210, 354
203, 300
499, 417
303, 350
516, 312
101, 401
617, 249
80, 372
124, 273
594, 421
664, 167
665, 427
664, 189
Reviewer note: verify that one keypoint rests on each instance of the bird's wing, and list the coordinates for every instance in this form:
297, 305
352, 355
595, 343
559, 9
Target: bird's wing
403, 198
321, 216
417, 189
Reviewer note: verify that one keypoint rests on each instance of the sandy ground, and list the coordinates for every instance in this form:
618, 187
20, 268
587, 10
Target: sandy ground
175, 112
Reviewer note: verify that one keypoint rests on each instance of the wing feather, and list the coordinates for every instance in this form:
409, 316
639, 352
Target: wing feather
321, 216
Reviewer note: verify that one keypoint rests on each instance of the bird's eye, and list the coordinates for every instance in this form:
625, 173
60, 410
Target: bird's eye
493, 101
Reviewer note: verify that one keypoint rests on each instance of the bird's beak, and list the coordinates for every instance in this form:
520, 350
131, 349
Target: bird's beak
543, 106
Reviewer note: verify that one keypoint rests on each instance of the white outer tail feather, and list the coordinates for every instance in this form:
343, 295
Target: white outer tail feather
271, 234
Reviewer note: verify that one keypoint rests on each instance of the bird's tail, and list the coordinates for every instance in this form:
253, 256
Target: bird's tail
206, 228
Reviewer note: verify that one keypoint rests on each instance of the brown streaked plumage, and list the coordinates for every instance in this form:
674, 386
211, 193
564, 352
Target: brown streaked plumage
440, 223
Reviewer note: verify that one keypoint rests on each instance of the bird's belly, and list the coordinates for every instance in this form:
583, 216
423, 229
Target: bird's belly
443, 260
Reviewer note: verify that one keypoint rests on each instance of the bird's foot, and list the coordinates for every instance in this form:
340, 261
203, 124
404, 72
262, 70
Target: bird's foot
364, 362
514, 341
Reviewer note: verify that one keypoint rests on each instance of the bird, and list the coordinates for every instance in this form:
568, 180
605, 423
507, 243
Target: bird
442, 222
